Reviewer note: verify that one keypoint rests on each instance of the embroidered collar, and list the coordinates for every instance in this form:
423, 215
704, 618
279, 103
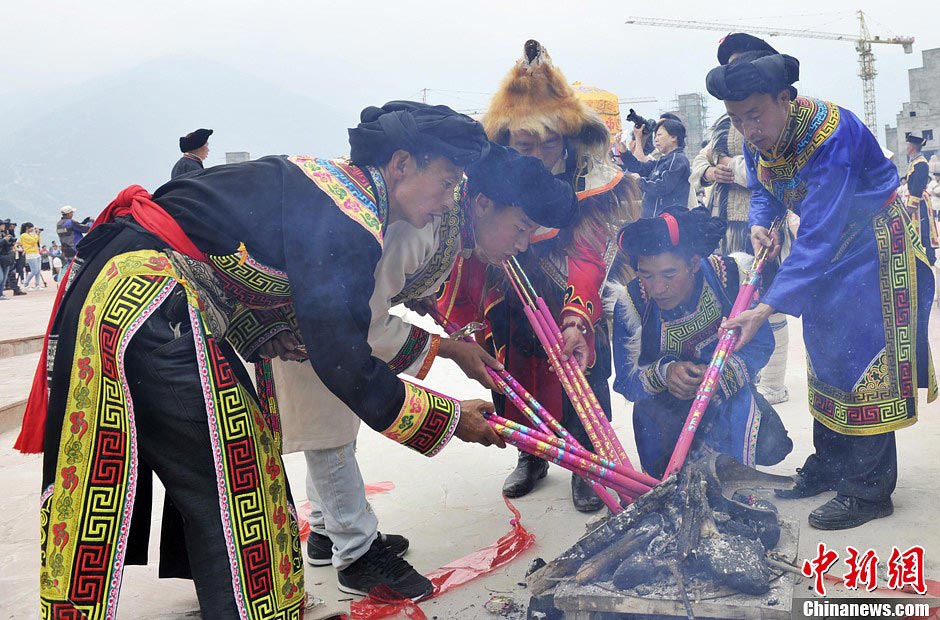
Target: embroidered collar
381, 194
787, 137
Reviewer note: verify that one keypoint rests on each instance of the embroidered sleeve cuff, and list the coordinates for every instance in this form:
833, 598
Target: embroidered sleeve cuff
654, 377
249, 329
734, 376
426, 422
913, 201
411, 352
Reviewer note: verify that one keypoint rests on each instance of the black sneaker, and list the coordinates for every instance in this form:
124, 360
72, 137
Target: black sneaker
320, 547
381, 566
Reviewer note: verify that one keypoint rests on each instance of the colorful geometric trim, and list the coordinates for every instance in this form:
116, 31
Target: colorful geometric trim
426, 422
811, 123
687, 336
350, 190
86, 521
884, 399
261, 538
251, 282
250, 329
410, 350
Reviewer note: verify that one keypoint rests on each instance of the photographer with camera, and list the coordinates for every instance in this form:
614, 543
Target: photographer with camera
665, 181
70, 232
29, 240
7, 240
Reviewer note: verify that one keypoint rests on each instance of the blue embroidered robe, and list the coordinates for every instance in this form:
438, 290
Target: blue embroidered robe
856, 274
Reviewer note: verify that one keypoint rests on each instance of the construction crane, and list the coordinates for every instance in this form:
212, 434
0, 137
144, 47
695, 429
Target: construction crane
863, 43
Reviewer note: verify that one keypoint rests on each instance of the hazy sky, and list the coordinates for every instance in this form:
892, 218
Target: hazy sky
351, 54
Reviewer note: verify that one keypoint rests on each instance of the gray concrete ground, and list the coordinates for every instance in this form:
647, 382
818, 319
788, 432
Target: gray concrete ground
450, 506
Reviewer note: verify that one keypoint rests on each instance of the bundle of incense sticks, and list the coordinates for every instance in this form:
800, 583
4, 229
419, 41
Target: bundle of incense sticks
723, 349
572, 378
550, 432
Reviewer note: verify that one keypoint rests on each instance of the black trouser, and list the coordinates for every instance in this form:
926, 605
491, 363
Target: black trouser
862, 466
173, 441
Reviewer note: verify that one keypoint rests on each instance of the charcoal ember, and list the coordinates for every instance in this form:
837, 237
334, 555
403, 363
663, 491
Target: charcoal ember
750, 499
637, 569
734, 561
731, 527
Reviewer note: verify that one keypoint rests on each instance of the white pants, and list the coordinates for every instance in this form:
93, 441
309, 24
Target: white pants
338, 505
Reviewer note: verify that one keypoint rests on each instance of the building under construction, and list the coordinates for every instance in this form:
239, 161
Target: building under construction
691, 108
920, 115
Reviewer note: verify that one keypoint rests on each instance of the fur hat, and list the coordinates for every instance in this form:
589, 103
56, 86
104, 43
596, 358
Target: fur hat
535, 97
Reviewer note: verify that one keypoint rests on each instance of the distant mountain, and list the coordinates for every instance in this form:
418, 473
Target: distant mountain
82, 145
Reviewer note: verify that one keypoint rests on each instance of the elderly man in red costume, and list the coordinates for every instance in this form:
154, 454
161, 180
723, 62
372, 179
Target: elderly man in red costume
537, 113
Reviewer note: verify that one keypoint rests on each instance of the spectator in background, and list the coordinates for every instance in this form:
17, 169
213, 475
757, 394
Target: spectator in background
56, 267
19, 266
30, 240
665, 181
6, 256
195, 148
70, 232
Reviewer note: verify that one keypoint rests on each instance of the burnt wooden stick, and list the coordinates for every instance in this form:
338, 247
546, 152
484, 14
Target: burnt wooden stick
600, 538
601, 562
677, 574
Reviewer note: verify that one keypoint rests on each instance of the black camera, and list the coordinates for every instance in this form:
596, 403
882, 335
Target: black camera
648, 125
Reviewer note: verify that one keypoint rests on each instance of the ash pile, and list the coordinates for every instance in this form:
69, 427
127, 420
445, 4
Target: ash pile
684, 540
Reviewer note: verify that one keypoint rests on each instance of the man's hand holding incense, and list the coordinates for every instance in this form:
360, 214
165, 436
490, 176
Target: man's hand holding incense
472, 359
683, 379
285, 346
473, 427
762, 238
574, 334
748, 322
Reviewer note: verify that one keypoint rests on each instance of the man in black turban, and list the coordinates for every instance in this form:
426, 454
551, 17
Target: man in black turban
506, 198
195, 149
274, 257
855, 275
666, 326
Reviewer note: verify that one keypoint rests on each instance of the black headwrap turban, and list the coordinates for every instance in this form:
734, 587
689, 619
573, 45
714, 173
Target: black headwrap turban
738, 42
678, 230
753, 72
417, 128
508, 178
194, 140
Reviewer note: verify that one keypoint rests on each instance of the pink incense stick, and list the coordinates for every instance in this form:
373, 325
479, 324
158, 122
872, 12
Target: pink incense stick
568, 460
574, 370
723, 349
569, 373
621, 469
509, 386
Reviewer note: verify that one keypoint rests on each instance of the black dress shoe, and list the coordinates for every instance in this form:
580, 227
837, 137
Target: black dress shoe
805, 485
583, 496
529, 470
843, 512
